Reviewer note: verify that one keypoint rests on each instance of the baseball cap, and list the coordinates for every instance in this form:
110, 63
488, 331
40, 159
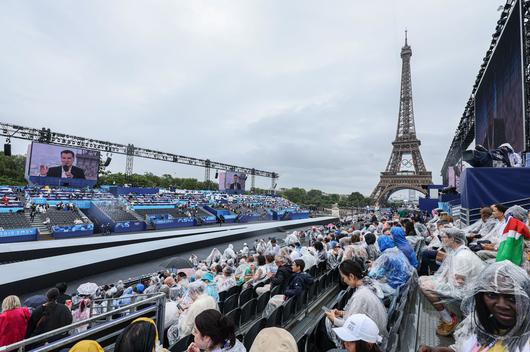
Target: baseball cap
359, 327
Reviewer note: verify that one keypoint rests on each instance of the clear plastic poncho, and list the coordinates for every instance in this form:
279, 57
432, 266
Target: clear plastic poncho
392, 267
214, 257
309, 259
479, 327
229, 252
291, 239
457, 271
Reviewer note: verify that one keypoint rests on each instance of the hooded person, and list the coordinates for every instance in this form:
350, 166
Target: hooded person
261, 247
139, 336
496, 310
398, 234
244, 250
392, 269
309, 259
214, 257
201, 301
229, 252
291, 239
451, 280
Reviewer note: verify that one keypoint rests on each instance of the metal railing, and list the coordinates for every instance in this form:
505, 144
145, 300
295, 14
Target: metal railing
103, 331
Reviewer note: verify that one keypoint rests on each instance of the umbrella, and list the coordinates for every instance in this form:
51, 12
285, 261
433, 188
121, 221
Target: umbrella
87, 289
35, 301
177, 263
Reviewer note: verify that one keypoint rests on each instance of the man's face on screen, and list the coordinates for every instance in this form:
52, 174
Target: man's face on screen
236, 179
67, 159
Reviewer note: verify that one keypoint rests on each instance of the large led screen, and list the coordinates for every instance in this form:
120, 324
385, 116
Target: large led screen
232, 181
499, 110
62, 165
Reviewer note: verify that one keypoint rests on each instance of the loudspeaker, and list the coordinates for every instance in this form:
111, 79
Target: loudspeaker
7, 149
107, 162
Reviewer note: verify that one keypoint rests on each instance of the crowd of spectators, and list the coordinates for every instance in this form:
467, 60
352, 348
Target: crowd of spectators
375, 256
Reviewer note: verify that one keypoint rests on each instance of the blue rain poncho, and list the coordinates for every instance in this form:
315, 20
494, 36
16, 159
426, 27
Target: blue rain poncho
401, 242
392, 266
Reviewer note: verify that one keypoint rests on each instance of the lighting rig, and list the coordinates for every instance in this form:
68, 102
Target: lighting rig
45, 135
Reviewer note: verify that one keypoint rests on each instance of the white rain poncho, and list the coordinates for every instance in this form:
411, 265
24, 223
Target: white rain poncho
355, 250
458, 269
481, 227
480, 328
363, 301
421, 230
291, 239
214, 257
261, 247
229, 252
309, 259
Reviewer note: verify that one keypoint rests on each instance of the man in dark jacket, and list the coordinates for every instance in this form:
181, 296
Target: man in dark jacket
283, 275
66, 169
299, 280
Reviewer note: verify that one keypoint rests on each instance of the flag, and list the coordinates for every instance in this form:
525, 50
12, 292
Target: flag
511, 245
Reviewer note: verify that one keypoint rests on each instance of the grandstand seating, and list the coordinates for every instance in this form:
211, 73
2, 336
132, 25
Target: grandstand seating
14, 221
117, 214
61, 217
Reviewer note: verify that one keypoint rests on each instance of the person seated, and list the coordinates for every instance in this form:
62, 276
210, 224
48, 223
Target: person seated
392, 269
496, 310
481, 227
356, 248
371, 250
365, 300
489, 243
48, 317
398, 235
449, 282
139, 336
281, 278
201, 301
298, 283
359, 333
214, 332
227, 280
211, 286
432, 255
13, 321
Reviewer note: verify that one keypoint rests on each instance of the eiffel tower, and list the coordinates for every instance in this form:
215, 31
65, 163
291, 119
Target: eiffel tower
405, 169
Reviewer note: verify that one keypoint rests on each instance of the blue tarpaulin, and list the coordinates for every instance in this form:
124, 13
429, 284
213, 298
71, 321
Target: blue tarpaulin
487, 185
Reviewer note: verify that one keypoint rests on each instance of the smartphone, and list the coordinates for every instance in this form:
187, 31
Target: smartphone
180, 307
326, 309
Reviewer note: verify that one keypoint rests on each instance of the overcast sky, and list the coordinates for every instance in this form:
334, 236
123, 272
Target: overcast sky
308, 89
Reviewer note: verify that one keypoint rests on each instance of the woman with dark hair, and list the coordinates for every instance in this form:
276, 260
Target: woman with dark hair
214, 332
140, 336
496, 312
50, 316
365, 300
322, 256
261, 271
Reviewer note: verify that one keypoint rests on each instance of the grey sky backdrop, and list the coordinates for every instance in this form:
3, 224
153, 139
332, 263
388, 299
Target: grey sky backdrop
309, 89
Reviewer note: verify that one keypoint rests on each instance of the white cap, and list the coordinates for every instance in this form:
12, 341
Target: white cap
359, 327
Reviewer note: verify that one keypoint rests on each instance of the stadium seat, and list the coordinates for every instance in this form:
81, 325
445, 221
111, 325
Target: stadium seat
274, 319
223, 295
299, 303
275, 291
182, 344
230, 303
251, 334
233, 290
288, 309
235, 315
301, 343
261, 302
245, 296
248, 311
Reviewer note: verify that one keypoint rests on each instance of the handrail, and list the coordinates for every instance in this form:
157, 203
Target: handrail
158, 298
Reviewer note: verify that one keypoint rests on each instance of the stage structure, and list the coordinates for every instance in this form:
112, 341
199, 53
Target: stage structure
405, 169
465, 132
47, 136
